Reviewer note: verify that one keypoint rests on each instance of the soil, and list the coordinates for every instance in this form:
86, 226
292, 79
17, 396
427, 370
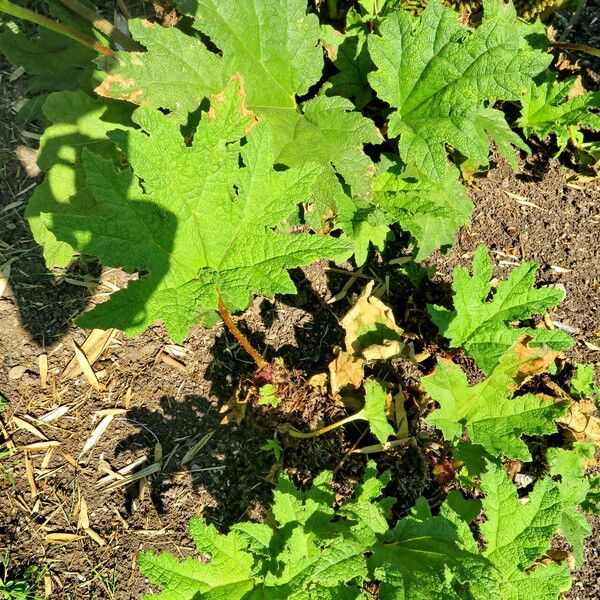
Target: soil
171, 398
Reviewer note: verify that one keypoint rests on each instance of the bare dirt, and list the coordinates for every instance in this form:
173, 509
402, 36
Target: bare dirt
171, 397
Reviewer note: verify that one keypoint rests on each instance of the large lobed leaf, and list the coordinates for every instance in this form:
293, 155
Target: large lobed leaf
275, 48
492, 417
206, 219
306, 553
441, 79
483, 327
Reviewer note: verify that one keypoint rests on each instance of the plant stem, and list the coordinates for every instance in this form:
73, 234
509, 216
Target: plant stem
299, 434
102, 25
332, 9
239, 336
578, 47
29, 15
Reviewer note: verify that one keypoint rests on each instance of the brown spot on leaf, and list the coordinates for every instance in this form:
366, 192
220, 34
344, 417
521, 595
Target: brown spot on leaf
220, 97
116, 86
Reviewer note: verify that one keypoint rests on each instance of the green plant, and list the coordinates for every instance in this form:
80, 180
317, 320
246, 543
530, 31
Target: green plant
210, 158
23, 587
221, 228
483, 325
307, 549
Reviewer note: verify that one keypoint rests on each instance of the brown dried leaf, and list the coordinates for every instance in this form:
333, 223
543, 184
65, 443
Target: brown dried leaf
346, 369
371, 334
62, 538
23, 424
43, 367
93, 347
86, 368
83, 520
581, 421
95, 536
532, 361
191, 453
235, 410
96, 434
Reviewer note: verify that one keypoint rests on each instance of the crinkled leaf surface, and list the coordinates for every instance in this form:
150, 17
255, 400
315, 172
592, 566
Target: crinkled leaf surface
517, 534
483, 327
206, 218
306, 553
226, 575
421, 559
441, 78
361, 222
78, 121
431, 211
275, 48
547, 108
491, 415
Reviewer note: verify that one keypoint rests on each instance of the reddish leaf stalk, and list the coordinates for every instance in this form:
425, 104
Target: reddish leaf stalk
261, 363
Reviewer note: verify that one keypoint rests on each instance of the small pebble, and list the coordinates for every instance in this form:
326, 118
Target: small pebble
16, 372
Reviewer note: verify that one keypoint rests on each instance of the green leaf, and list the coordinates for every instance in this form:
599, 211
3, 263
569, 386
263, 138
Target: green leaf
569, 465
483, 327
226, 575
583, 382
361, 222
421, 559
350, 55
441, 79
431, 211
546, 108
306, 553
374, 410
54, 62
277, 53
517, 534
78, 122
207, 222
491, 415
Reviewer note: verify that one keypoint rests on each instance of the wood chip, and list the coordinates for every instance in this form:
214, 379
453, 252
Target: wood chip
30, 474
47, 457
110, 412
93, 347
39, 446
23, 424
96, 435
86, 368
54, 414
43, 367
62, 538
83, 520
147, 471
172, 362
191, 453
95, 536
121, 472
